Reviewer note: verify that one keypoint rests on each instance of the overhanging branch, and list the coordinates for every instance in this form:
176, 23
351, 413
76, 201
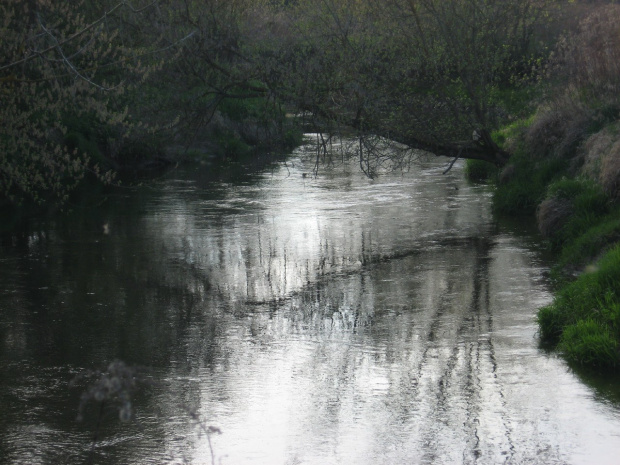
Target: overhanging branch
484, 148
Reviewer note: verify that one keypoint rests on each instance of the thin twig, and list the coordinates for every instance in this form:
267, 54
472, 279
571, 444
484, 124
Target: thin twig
68, 62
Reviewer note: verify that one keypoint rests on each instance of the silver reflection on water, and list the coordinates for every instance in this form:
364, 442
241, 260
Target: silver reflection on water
327, 320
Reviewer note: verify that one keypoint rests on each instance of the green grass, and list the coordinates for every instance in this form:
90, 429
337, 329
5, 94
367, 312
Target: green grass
231, 147
512, 131
589, 206
590, 343
577, 253
517, 100
527, 187
292, 137
583, 321
584, 318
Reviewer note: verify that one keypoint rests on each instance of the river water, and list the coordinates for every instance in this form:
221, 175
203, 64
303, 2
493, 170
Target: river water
311, 320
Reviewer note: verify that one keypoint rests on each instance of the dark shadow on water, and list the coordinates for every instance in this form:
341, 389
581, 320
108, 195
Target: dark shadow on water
605, 384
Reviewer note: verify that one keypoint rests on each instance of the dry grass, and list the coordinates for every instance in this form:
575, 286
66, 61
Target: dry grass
592, 56
594, 150
610, 171
558, 128
601, 153
507, 174
552, 214
588, 62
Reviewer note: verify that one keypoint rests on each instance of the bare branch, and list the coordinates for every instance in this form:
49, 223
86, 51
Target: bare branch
67, 61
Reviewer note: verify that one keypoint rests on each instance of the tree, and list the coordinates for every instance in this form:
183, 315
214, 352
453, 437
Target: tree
59, 67
425, 73
214, 83
405, 74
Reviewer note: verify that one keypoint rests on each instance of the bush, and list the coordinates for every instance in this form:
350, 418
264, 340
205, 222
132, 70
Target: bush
610, 171
526, 187
552, 215
589, 245
587, 63
558, 128
579, 127
52, 77
551, 321
230, 145
591, 58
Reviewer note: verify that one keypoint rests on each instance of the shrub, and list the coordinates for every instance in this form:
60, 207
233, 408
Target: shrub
230, 145
587, 63
610, 171
558, 128
601, 154
57, 64
589, 245
551, 321
571, 207
552, 214
591, 57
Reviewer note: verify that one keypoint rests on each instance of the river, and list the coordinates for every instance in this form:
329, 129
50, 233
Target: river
306, 320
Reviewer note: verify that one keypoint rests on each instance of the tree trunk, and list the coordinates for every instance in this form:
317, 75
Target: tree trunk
482, 148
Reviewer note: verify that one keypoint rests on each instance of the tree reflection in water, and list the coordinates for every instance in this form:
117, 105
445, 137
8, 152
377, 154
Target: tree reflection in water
334, 319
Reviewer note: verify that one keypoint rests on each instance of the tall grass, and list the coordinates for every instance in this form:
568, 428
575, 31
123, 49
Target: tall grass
597, 239
588, 204
526, 188
591, 343
480, 171
584, 317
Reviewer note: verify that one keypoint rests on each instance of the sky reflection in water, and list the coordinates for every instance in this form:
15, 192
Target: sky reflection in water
315, 321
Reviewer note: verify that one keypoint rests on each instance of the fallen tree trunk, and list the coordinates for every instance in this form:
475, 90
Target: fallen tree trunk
480, 147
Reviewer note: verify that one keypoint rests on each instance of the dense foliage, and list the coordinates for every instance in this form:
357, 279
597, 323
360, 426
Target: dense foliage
91, 86
53, 64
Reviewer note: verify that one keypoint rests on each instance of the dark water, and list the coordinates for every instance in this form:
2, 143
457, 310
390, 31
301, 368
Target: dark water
336, 320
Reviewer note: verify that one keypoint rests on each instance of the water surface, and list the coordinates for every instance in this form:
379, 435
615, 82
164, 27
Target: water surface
327, 320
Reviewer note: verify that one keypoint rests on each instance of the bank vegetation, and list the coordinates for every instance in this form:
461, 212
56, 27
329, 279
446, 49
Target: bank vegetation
565, 171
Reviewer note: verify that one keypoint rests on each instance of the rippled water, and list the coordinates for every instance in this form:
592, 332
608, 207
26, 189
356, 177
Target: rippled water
327, 320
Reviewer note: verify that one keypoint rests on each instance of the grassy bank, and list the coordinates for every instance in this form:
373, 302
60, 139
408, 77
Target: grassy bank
565, 174
580, 221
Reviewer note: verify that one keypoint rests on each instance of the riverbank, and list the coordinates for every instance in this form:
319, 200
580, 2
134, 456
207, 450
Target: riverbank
565, 175
580, 220
582, 226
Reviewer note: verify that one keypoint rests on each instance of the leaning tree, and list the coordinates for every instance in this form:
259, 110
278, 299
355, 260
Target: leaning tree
426, 74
